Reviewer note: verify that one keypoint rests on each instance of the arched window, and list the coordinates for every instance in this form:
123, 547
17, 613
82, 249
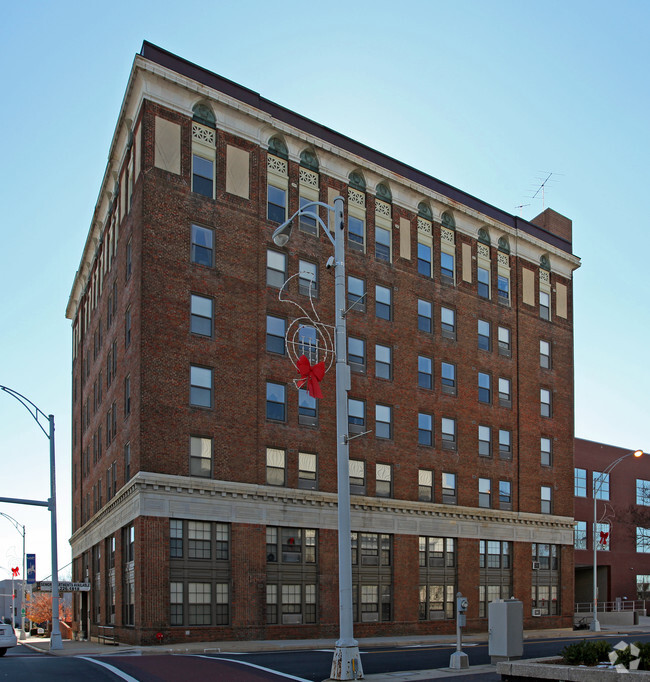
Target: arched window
484, 236
504, 245
424, 211
383, 223
545, 262
278, 148
384, 193
356, 181
308, 160
448, 221
203, 114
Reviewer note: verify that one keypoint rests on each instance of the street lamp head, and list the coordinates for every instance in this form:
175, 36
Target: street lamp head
282, 233
638, 453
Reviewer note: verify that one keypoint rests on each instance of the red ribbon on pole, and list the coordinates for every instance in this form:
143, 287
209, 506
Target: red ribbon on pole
603, 538
15, 572
311, 375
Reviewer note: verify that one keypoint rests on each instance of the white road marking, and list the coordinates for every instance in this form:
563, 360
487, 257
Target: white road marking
259, 667
112, 668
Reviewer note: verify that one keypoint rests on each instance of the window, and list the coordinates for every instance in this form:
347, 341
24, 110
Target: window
356, 233
483, 277
127, 462
276, 268
357, 470
505, 495
544, 305
383, 362
448, 488
642, 492
448, 377
297, 546
383, 302
483, 335
175, 538
505, 398
276, 402
425, 485
447, 267
425, 429
484, 441
544, 354
127, 327
308, 222
600, 482
425, 316
199, 602
356, 415
276, 328
503, 289
545, 402
308, 343
504, 341
580, 535
276, 203
357, 354
200, 386
201, 315
643, 586
307, 278
198, 536
424, 259
580, 482
448, 434
546, 499
200, 456
129, 257
356, 294
545, 451
384, 480
484, 391
425, 372
484, 492
202, 176
448, 323
275, 466
307, 471
603, 537
382, 244
127, 395
495, 554
202, 250
307, 408
643, 540
383, 426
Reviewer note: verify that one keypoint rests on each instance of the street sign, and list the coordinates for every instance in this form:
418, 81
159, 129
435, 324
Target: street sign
31, 568
64, 586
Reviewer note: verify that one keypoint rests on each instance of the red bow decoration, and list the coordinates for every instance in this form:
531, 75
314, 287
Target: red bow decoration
310, 375
603, 537
15, 572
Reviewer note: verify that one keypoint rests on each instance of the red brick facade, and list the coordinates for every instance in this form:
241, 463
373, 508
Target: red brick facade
153, 275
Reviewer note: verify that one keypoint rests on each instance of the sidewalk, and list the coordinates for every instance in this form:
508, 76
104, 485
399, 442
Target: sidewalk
93, 648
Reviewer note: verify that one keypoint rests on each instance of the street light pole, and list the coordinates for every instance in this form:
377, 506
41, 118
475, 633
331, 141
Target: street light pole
595, 624
346, 664
21, 530
37, 414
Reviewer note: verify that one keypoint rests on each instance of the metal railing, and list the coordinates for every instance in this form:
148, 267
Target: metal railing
620, 605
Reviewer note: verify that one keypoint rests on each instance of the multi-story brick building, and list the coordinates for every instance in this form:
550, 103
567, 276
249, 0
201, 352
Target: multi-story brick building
204, 482
622, 523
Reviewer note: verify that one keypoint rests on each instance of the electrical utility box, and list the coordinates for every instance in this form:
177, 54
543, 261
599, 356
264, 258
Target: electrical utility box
506, 630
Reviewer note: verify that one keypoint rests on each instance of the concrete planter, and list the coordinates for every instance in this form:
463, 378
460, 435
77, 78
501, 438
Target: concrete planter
552, 669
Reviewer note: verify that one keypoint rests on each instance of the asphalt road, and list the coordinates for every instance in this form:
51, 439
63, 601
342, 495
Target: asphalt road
21, 663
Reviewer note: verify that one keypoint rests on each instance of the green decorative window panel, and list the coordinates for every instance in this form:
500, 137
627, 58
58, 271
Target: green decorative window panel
279, 148
309, 160
424, 211
384, 193
203, 114
504, 245
545, 262
484, 237
356, 181
448, 221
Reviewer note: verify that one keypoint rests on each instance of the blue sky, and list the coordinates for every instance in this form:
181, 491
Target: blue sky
487, 96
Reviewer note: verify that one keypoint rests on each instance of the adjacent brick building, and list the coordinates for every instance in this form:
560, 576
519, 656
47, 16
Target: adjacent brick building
623, 523
204, 482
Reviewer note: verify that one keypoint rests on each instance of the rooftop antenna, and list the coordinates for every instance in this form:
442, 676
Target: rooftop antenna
542, 187
520, 207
